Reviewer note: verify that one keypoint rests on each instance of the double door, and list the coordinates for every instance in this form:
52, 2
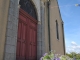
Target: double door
27, 37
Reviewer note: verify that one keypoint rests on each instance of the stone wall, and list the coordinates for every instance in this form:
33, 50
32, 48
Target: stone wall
56, 44
11, 33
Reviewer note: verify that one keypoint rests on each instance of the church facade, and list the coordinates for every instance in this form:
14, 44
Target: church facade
30, 28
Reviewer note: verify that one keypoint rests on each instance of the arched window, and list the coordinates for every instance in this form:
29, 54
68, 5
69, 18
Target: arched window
27, 6
57, 32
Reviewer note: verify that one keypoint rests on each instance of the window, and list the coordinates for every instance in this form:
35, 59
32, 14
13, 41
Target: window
63, 31
27, 6
57, 32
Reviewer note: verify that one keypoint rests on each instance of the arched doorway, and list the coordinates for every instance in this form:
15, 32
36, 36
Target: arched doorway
27, 32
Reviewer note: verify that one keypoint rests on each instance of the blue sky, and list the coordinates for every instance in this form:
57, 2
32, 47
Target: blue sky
71, 17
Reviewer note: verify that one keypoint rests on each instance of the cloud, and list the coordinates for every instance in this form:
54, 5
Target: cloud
73, 43
78, 47
73, 48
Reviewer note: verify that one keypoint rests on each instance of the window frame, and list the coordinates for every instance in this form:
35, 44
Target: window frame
57, 30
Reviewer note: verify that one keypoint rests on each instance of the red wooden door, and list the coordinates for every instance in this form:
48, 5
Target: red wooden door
27, 37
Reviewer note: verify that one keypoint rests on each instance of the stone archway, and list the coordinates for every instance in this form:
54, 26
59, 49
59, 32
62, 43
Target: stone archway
12, 29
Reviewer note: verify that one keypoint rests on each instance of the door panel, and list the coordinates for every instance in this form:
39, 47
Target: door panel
23, 41
18, 48
19, 30
33, 38
27, 37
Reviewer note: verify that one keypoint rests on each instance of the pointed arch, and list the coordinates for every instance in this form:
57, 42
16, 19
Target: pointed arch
29, 7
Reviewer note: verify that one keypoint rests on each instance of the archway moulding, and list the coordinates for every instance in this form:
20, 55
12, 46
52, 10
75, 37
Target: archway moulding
37, 6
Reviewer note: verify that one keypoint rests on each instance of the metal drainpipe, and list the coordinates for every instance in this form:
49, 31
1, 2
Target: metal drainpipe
63, 37
48, 8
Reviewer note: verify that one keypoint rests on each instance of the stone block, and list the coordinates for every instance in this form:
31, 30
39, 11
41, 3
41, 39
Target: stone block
15, 3
39, 43
38, 57
16, 9
15, 21
11, 3
11, 10
7, 56
10, 41
16, 13
10, 48
13, 33
10, 18
9, 32
10, 56
14, 30
9, 25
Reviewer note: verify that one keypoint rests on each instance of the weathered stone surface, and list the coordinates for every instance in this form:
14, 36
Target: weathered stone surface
9, 26
11, 35
9, 32
10, 48
10, 41
9, 56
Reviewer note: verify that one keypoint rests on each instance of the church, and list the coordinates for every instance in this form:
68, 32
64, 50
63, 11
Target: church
30, 28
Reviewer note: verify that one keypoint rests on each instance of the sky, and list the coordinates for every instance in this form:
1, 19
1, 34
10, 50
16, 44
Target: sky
71, 17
